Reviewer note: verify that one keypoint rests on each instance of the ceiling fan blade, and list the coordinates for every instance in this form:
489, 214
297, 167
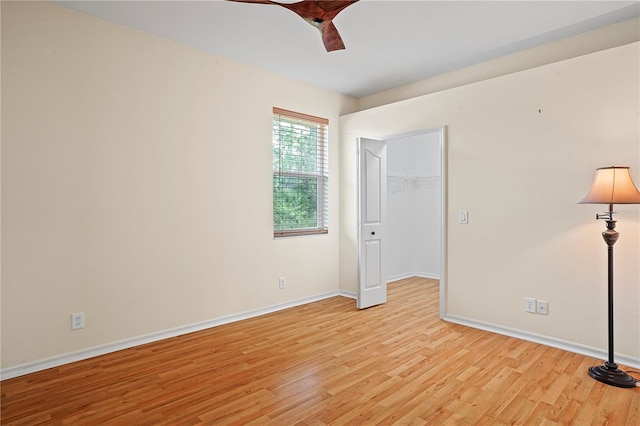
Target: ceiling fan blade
322, 10
318, 13
330, 37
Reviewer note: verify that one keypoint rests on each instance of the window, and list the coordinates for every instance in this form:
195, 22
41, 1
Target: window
300, 174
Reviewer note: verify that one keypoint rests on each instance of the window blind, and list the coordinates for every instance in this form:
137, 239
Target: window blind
300, 174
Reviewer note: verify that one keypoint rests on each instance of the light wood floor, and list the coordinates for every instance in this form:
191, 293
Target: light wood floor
327, 363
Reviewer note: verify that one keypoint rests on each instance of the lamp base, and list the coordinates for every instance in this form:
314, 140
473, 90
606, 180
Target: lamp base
612, 375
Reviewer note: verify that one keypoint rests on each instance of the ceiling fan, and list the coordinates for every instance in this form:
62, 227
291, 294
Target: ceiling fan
319, 13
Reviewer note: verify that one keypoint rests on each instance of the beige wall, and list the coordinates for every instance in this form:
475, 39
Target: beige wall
522, 150
136, 185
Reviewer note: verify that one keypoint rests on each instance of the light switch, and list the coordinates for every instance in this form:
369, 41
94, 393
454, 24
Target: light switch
463, 216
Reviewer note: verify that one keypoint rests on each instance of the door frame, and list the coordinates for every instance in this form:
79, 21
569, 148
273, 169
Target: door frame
442, 139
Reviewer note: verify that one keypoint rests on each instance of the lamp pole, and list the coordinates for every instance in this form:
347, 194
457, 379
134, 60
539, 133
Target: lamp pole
609, 373
610, 237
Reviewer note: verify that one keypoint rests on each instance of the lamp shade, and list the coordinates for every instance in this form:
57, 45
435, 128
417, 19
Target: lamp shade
612, 185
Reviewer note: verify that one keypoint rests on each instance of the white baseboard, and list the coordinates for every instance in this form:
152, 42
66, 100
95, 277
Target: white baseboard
545, 340
32, 367
349, 294
412, 274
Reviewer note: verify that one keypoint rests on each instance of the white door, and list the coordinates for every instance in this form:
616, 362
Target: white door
372, 211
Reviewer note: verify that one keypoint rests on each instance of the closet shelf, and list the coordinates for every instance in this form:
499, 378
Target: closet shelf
399, 182
411, 177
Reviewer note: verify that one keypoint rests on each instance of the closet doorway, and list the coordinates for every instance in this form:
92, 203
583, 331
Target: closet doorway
414, 241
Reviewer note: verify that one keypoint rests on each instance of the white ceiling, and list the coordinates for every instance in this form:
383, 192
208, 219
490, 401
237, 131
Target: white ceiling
388, 43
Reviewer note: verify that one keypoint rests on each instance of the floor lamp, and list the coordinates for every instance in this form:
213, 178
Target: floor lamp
612, 185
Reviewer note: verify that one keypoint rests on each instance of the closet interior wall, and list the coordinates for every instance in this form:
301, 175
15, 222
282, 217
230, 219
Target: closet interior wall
414, 206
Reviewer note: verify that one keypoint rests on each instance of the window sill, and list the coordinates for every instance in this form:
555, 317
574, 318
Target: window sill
299, 232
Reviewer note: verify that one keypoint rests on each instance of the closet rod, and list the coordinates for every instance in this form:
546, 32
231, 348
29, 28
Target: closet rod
412, 177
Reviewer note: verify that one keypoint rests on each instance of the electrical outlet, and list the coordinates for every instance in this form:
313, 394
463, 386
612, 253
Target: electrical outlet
530, 305
77, 321
542, 307
282, 283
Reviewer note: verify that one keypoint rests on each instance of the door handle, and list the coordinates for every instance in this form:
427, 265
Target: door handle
373, 232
